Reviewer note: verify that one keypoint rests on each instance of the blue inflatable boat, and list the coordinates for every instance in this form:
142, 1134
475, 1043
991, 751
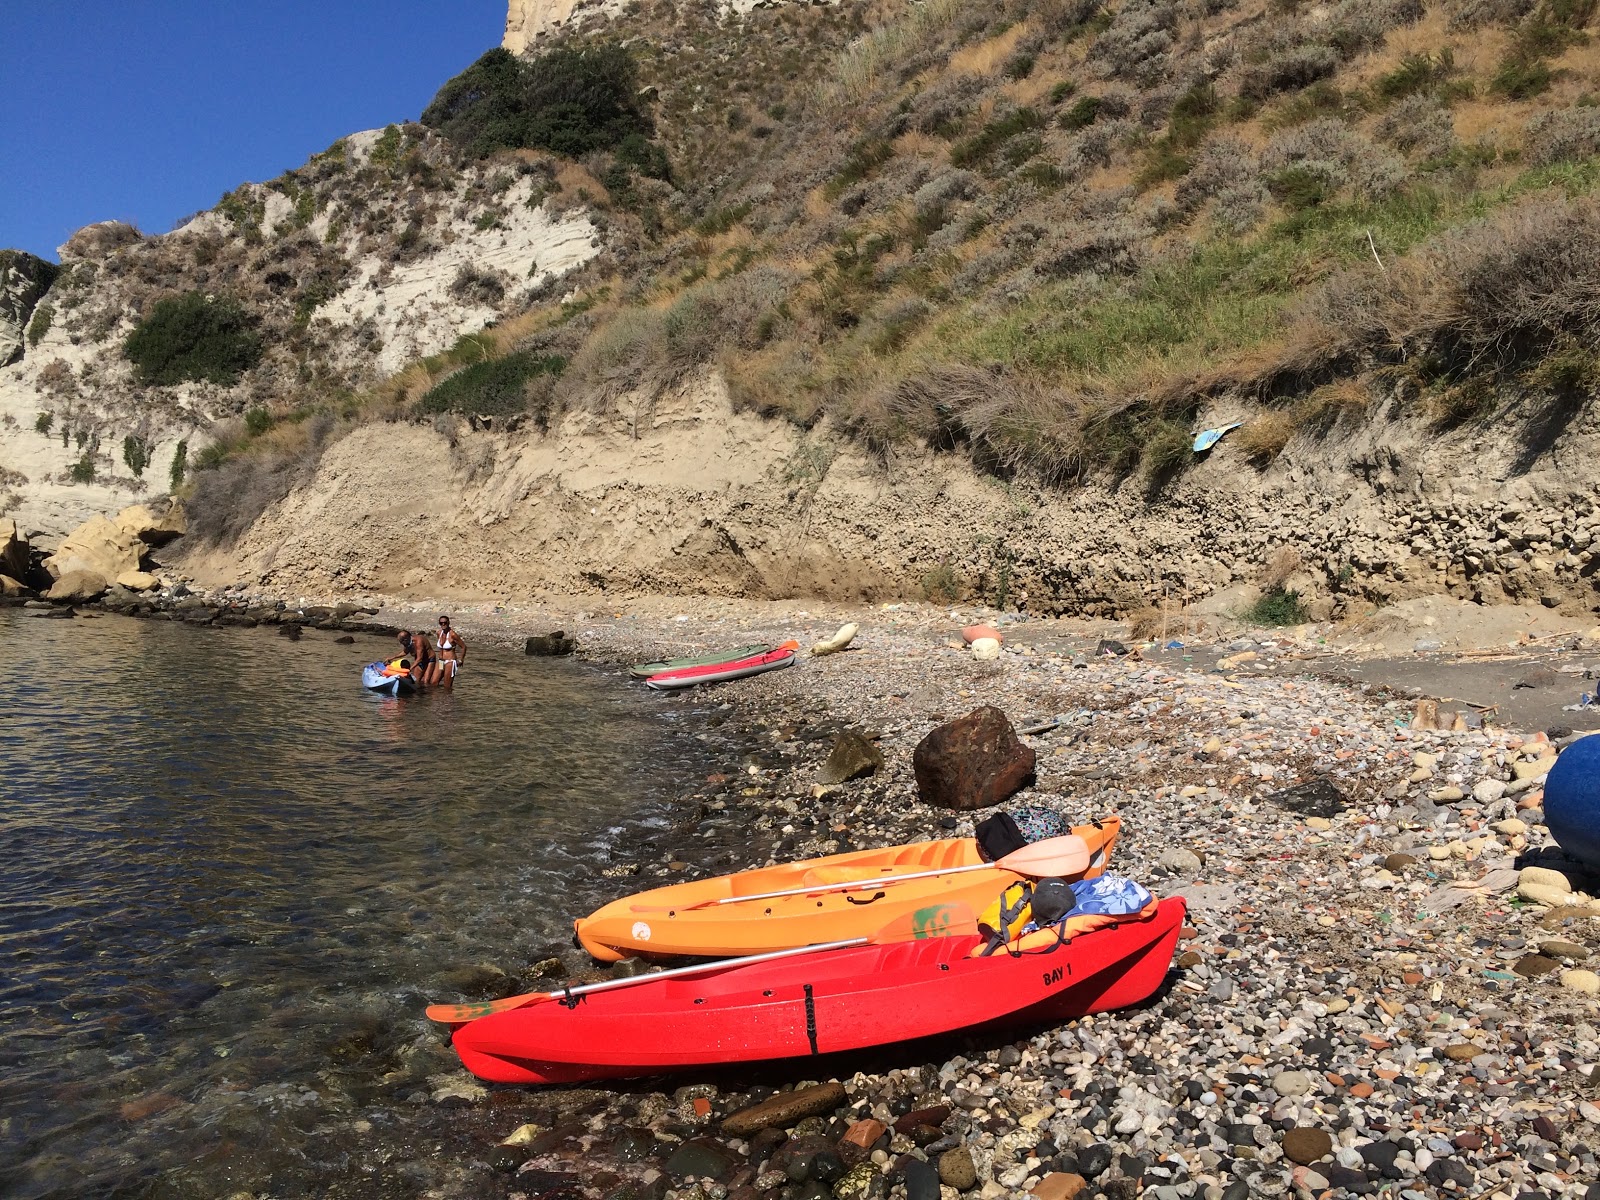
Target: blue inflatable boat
374, 678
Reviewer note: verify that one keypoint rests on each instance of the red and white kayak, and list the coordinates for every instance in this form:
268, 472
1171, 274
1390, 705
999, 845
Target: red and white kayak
738, 668
831, 1001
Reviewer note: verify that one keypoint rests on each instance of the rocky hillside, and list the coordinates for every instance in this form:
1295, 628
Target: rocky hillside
383, 249
933, 299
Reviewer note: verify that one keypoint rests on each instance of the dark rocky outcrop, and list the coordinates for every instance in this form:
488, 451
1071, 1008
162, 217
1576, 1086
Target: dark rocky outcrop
972, 762
550, 645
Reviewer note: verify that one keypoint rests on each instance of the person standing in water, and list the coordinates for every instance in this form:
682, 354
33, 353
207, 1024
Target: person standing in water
452, 652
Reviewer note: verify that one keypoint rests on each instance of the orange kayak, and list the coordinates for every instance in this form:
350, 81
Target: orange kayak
686, 918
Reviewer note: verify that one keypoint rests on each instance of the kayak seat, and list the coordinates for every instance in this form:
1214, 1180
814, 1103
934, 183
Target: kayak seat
1053, 935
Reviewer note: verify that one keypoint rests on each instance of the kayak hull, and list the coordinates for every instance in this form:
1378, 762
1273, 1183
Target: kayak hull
831, 1002
645, 670
666, 922
374, 680
738, 668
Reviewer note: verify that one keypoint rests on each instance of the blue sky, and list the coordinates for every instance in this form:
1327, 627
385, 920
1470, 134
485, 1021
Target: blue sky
149, 111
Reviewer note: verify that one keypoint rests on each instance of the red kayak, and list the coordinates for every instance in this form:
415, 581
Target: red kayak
738, 668
834, 1000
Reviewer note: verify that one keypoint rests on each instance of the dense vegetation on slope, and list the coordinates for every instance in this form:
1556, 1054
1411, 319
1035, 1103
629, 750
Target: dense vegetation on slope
1052, 232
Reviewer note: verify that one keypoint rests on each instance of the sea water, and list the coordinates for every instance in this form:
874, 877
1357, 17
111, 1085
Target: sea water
231, 879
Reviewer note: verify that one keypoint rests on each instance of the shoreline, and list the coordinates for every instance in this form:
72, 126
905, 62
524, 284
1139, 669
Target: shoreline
1348, 1012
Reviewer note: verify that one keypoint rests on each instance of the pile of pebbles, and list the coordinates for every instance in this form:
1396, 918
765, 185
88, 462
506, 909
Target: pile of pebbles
1386, 986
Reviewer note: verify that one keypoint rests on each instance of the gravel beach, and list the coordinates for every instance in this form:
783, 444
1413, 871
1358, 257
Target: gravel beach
1386, 985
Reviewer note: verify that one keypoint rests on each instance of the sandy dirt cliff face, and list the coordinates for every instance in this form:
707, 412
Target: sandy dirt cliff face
683, 495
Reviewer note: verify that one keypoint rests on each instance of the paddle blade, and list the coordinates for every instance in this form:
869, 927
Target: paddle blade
791, 644
936, 920
1065, 855
459, 1014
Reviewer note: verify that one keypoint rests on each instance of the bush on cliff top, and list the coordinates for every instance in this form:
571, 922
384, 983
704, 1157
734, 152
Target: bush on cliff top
570, 100
194, 337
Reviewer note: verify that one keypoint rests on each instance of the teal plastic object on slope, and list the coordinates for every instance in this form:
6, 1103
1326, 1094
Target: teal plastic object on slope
1572, 800
1211, 437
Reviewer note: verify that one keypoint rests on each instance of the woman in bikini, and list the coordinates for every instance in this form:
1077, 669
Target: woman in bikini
452, 653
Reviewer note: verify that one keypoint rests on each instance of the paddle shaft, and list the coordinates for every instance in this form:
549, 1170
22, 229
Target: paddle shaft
1038, 859
853, 885
457, 1013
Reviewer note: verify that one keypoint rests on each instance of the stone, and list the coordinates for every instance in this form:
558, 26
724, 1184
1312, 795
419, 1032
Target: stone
14, 552
975, 761
151, 528
1533, 770
77, 585
1586, 982
550, 645
1314, 798
1545, 877
852, 757
1292, 1083
862, 1182
1094, 1159
1180, 860
956, 1169
1462, 1051
856, 1144
1543, 894
1306, 1145
1487, 791
839, 641
919, 1118
97, 545
1511, 827
702, 1158
785, 1109
1531, 966
1558, 948
1396, 863
11, 587
921, 1180
1060, 1185
137, 581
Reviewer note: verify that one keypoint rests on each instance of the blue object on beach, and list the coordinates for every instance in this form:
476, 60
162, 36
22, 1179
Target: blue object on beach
1572, 800
1211, 437
1110, 895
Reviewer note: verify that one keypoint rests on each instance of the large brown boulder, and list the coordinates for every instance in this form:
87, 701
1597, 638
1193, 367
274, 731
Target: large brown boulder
97, 545
972, 762
13, 550
150, 527
77, 586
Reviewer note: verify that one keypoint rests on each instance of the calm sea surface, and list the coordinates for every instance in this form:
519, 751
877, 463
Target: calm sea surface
232, 879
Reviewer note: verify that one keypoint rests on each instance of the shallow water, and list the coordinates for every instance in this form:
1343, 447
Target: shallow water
233, 879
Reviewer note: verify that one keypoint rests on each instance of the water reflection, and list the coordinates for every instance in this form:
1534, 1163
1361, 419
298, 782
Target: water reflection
233, 877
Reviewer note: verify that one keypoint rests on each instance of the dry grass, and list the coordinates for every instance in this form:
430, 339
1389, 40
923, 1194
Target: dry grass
1279, 567
987, 57
1263, 438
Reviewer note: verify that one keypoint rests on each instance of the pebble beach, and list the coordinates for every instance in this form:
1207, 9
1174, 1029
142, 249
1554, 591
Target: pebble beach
1386, 985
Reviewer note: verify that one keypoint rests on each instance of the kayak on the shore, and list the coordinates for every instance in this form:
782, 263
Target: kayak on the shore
645, 670
840, 896
737, 668
830, 1001
387, 678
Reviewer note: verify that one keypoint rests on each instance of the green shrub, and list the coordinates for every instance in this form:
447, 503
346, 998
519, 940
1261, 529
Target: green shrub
136, 453
1278, 607
193, 337
1300, 187
1062, 91
1521, 78
866, 156
1082, 114
721, 220
257, 421
386, 150
180, 466
40, 325
496, 387
1417, 73
1021, 65
939, 584
82, 471
42, 422
571, 100
981, 146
